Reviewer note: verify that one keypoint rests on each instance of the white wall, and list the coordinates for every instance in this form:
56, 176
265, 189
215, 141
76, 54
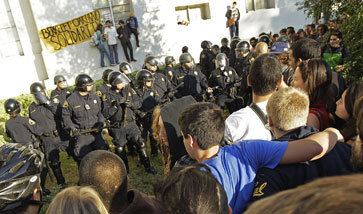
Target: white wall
159, 35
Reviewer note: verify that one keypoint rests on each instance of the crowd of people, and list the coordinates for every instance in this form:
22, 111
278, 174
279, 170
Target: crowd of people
292, 141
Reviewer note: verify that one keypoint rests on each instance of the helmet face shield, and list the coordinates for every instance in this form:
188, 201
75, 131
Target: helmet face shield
63, 84
127, 69
40, 98
221, 60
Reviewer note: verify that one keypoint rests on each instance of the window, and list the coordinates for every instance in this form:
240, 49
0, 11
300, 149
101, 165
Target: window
191, 13
259, 4
120, 9
9, 39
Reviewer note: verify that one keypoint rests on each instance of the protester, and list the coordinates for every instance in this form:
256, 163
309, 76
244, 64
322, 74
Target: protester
235, 166
314, 77
124, 35
357, 149
287, 114
335, 52
111, 36
133, 24
261, 48
333, 195
233, 16
77, 200
20, 168
322, 35
107, 174
192, 189
344, 110
246, 124
280, 49
101, 38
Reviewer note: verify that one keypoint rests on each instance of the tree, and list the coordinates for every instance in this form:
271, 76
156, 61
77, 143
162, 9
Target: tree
350, 17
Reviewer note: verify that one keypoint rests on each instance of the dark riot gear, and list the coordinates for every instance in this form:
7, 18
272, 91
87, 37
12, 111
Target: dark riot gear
185, 57
144, 76
265, 39
82, 81
205, 44
12, 106
224, 40
59, 78
117, 77
242, 48
39, 93
222, 60
169, 60
185, 49
284, 39
215, 49
126, 68
150, 61
234, 43
105, 75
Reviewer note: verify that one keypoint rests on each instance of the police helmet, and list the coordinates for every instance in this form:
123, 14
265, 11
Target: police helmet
234, 43
236, 37
185, 57
169, 60
284, 39
126, 68
116, 77
12, 106
242, 47
39, 93
215, 49
224, 40
185, 49
20, 170
144, 76
59, 78
105, 75
150, 61
82, 81
222, 60
265, 39
205, 44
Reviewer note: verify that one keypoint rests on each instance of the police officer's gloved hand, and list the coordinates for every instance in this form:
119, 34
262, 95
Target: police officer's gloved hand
128, 103
116, 104
141, 114
99, 126
237, 84
171, 94
75, 132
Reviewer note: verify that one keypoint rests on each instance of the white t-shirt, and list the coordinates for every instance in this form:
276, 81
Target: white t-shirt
111, 34
234, 13
245, 124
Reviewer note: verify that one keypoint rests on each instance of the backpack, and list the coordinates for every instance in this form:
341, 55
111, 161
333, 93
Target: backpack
94, 40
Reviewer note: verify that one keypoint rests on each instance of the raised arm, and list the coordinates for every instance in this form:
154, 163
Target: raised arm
312, 147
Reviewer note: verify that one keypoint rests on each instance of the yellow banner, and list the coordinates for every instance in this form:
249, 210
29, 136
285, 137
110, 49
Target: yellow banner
72, 32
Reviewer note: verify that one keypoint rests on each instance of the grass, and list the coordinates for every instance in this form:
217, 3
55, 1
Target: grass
139, 179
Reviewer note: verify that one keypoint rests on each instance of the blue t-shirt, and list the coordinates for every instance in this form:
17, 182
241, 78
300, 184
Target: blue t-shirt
235, 168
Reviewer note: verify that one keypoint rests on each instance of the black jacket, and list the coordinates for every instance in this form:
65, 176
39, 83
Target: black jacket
195, 82
271, 181
124, 34
20, 129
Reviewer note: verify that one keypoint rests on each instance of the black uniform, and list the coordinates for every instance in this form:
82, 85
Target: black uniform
206, 62
224, 79
101, 91
226, 50
44, 116
283, 177
150, 99
195, 83
22, 129
84, 113
126, 129
242, 67
58, 97
162, 85
169, 72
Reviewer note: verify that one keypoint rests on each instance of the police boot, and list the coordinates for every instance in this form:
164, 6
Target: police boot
43, 176
131, 150
57, 171
120, 151
146, 162
154, 147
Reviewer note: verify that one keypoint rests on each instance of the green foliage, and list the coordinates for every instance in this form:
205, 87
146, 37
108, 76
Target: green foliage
350, 14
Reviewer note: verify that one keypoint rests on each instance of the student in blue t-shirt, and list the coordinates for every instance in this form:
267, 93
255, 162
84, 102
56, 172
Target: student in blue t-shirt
202, 126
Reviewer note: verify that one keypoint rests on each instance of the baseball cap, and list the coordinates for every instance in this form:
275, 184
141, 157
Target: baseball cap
279, 47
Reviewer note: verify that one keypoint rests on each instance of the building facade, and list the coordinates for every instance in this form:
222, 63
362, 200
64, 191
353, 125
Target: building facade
165, 27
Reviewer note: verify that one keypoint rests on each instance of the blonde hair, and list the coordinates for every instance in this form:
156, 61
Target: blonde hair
77, 199
288, 108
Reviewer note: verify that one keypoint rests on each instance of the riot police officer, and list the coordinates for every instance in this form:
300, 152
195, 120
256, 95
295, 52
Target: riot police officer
232, 53
215, 51
103, 89
225, 80
23, 130
120, 104
42, 111
58, 96
206, 57
225, 49
161, 84
150, 98
195, 82
266, 39
169, 71
244, 59
82, 116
